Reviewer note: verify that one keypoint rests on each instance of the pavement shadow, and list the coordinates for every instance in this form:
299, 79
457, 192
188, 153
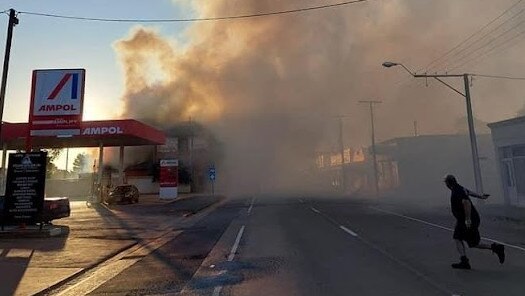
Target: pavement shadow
174, 263
12, 269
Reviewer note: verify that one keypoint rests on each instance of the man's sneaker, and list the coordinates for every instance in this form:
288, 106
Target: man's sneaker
499, 249
463, 264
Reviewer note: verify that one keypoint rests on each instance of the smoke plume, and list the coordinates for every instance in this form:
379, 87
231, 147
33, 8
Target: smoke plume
270, 87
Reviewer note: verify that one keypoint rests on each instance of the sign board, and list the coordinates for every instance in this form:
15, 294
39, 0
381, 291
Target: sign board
169, 177
211, 174
57, 100
25, 188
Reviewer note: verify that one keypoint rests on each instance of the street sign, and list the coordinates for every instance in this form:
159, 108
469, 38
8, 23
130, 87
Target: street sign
211, 174
57, 100
25, 187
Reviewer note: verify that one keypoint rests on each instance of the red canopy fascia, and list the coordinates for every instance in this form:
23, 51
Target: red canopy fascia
110, 133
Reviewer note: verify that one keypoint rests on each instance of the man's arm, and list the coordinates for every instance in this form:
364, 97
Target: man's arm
477, 195
468, 207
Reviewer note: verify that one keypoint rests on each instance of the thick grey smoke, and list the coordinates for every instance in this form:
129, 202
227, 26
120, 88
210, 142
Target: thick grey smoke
271, 86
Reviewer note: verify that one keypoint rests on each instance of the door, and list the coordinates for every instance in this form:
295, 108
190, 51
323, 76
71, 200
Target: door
509, 181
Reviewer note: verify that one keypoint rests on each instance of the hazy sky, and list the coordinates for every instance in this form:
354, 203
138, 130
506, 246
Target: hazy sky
319, 62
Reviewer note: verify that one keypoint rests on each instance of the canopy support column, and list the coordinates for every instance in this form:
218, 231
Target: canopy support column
3, 169
100, 170
121, 166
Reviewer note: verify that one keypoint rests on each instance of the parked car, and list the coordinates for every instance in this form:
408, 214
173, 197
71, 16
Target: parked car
123, 194
54, 208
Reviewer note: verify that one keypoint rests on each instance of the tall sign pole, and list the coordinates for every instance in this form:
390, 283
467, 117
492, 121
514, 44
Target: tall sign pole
13, 21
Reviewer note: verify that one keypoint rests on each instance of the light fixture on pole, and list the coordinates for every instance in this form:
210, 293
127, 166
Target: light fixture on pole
470, 117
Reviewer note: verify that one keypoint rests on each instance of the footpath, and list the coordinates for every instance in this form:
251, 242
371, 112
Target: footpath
94, 234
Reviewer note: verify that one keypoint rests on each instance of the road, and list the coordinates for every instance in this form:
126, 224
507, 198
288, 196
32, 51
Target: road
316, 246
327, 247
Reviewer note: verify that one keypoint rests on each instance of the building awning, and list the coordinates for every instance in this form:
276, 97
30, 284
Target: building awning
111, 133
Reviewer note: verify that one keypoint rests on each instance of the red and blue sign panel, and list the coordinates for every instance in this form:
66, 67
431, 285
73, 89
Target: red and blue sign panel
57, 98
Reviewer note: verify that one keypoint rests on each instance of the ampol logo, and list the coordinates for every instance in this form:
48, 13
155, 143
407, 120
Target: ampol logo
105, 130
60, 86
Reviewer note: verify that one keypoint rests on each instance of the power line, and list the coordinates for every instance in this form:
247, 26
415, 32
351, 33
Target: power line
466, 55
471, 36
498, 76
480, 39
492, 50
242, 16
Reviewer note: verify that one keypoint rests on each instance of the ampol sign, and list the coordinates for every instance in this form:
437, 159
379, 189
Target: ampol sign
57, 99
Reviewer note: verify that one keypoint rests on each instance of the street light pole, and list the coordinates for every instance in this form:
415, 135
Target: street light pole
374, 156
470, 118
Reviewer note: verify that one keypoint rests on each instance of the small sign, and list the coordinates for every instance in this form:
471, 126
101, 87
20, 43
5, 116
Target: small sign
25, 187
211, 174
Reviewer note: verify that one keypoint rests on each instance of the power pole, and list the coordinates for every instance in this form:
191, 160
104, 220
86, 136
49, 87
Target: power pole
415, 129
192, 171
13, 21
374, 157
473, 140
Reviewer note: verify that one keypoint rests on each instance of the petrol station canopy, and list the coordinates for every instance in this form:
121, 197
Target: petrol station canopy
108, 133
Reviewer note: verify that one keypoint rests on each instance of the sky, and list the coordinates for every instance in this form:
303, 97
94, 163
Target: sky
43, 43
313, 65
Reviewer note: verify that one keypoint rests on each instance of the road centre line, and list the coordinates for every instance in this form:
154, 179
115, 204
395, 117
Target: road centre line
443, 227
348, 231
251, 205
315, 210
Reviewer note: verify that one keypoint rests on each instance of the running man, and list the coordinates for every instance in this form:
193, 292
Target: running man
467, 223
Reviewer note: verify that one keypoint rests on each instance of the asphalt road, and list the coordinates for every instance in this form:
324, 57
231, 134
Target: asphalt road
315, 246
325, 247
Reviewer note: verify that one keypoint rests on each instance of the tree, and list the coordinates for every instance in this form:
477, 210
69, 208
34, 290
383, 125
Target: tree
52, 155
80, 163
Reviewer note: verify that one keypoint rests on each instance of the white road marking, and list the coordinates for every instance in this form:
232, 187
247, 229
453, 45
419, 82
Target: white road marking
301, 201
251, 205
348, 231
218, 289
236, 244
444, 228
315, 210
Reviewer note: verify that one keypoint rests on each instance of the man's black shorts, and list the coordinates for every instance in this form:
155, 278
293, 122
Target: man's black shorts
470, 235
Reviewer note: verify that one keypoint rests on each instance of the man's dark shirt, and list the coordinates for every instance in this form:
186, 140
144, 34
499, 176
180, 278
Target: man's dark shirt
456, 203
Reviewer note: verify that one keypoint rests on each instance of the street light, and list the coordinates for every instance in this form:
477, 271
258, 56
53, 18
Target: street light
470, 117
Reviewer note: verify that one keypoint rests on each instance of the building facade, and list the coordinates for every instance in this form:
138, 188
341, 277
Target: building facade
509, 142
